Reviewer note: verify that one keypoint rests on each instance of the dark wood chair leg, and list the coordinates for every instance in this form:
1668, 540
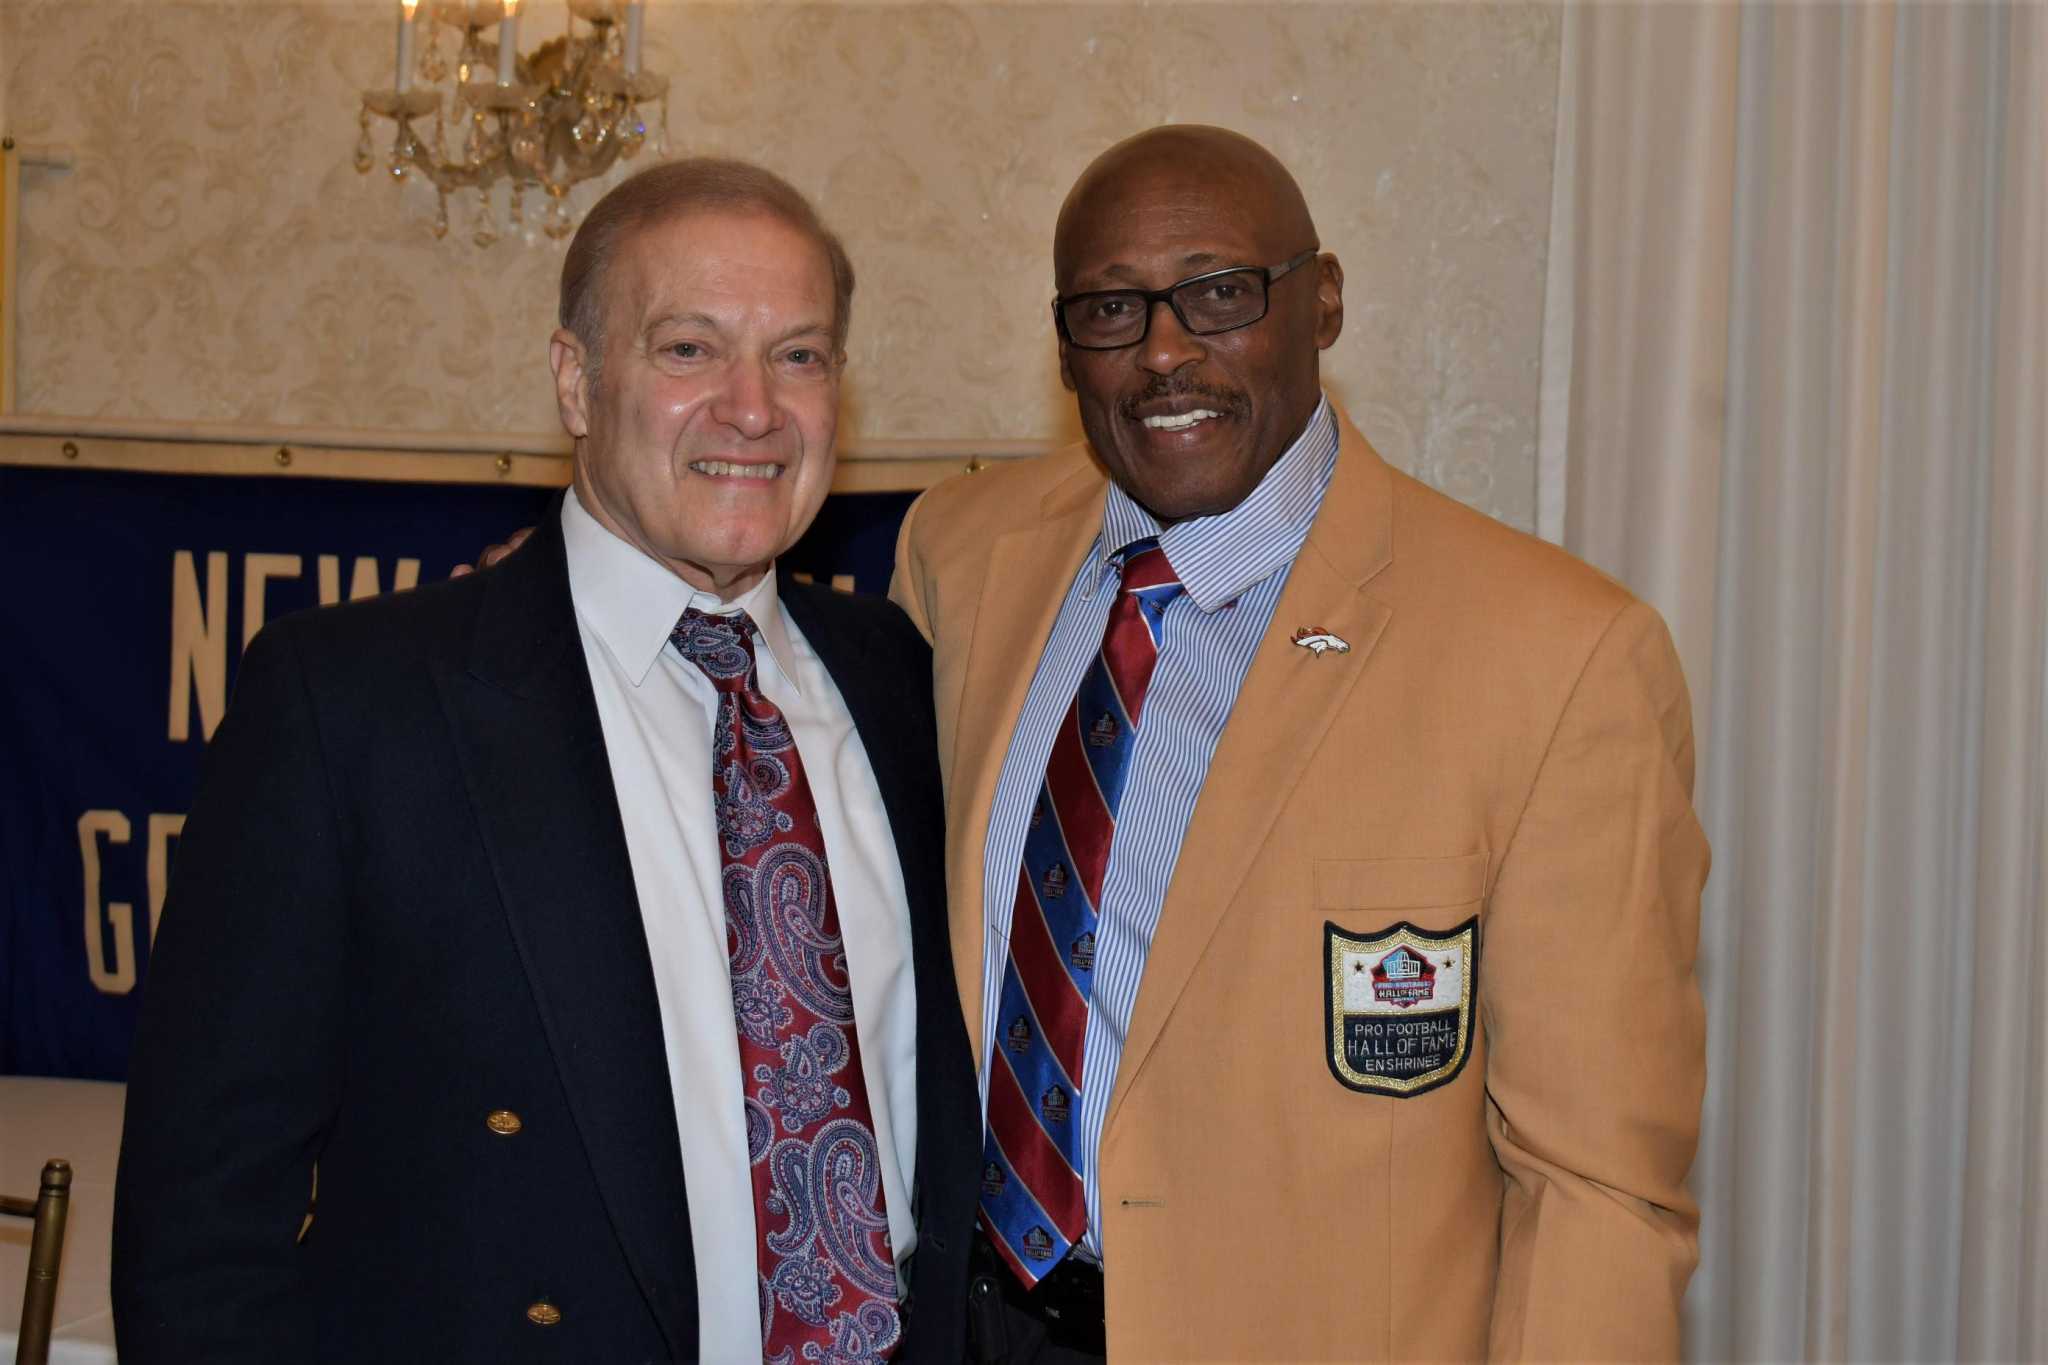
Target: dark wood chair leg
45, 1250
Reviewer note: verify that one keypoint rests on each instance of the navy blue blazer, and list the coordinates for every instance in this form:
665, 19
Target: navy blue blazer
402, 905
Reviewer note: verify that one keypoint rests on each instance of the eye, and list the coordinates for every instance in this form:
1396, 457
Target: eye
1110, 309
805, 356
1223, 291
684, 350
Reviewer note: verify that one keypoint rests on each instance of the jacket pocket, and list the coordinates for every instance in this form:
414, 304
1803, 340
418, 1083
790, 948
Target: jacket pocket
1399, 883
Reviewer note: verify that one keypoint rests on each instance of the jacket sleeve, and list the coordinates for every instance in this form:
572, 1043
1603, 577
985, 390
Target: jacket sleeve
1595, 1027
238, 1062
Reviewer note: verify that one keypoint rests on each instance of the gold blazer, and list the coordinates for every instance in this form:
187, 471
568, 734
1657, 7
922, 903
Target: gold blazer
1415, 1069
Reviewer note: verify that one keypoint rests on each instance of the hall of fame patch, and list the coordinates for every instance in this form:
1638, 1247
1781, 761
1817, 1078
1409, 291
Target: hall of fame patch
1399, 1004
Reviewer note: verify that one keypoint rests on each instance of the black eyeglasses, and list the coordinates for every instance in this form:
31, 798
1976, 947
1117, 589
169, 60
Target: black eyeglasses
1220, 301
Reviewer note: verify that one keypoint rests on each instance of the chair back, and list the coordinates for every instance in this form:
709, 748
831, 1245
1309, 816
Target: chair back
45, 1249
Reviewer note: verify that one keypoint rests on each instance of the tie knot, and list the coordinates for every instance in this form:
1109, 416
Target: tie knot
1146, 566
723, 646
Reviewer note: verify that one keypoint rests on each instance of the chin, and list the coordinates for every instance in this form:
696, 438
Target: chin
1179, 502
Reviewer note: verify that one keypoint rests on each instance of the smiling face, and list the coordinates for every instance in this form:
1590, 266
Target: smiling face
706, 441
1186, 424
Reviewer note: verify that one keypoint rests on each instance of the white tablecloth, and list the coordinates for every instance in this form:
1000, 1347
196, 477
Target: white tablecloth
81, 1122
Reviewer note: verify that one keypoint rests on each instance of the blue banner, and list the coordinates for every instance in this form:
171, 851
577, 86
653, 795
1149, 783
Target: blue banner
127, 601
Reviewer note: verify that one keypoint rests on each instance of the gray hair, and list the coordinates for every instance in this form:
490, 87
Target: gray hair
671, 190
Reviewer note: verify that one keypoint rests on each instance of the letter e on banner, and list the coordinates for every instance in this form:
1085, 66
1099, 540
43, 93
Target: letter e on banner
257, 571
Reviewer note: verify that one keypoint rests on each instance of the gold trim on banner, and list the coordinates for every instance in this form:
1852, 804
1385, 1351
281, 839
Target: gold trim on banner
530, 460
10, 196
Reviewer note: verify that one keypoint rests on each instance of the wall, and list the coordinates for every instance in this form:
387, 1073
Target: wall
214, 256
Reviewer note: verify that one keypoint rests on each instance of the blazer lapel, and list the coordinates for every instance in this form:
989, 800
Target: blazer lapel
526, 727
1028, 571
896, 736
1287, 703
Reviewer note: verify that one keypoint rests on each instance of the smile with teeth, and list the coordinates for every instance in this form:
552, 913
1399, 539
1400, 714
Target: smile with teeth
1181, 421
727, 469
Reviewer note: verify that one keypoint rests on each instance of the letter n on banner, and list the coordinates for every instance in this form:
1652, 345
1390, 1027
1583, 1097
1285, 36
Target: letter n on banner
199, 643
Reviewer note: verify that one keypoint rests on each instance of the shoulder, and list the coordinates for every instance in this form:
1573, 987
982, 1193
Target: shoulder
1483, 600
815, 606
858, 631
394, 631
1449, 554
950, 533
390, 625
319, 685
966, 512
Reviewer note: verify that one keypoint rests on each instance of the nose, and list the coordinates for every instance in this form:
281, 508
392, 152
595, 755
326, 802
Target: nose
1167, 345
747, 401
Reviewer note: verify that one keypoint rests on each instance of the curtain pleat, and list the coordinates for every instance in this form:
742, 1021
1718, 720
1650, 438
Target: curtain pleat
2004, 1270
1801, 306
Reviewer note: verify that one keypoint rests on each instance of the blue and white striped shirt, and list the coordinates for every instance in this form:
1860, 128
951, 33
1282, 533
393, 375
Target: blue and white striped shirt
1237, 560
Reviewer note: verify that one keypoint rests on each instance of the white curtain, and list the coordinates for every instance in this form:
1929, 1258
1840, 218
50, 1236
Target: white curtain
1795, 393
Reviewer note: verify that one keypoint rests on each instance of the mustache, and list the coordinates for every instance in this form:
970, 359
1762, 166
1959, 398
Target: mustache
1229, 402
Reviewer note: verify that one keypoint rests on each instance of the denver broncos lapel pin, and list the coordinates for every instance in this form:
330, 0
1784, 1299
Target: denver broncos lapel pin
1319, 642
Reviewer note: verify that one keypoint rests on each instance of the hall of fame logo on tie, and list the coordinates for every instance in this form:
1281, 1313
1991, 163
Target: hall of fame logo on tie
1399, 1006
1055, 1105
1038, 1244
1055, 884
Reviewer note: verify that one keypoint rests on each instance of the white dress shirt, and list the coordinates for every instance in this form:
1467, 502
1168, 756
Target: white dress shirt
657, 710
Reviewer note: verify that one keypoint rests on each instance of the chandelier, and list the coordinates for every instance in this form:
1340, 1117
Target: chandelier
541, 123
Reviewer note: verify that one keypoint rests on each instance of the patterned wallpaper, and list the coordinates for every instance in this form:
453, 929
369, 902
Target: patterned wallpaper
214, 256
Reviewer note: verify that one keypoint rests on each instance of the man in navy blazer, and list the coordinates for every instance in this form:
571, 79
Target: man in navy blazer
438, 1056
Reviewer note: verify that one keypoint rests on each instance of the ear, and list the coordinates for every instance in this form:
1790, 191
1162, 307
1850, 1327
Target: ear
1066, 370
567, 359
1329, 300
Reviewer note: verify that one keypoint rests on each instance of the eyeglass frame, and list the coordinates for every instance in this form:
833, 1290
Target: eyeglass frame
1154, 297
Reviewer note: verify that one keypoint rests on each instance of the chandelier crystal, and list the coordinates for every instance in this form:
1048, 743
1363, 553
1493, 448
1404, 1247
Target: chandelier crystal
544, 122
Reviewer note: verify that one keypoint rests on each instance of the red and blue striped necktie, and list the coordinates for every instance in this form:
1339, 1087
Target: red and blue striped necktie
1034, 1203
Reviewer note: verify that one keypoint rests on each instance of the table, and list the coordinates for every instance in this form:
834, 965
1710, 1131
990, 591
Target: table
81, 1122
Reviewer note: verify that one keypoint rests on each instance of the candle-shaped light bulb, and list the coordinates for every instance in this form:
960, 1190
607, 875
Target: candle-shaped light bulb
508, 41
636, 13
408, 10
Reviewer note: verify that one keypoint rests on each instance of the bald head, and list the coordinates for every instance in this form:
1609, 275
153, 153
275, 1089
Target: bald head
1189, 421
1217, 163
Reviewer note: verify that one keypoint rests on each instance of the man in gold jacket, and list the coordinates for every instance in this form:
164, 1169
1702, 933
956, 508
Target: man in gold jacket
1389, 1045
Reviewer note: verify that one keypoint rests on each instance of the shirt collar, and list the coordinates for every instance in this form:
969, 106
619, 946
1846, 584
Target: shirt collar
1219, 558
632, 601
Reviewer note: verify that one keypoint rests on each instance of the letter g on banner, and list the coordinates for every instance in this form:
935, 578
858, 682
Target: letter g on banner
119, 978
